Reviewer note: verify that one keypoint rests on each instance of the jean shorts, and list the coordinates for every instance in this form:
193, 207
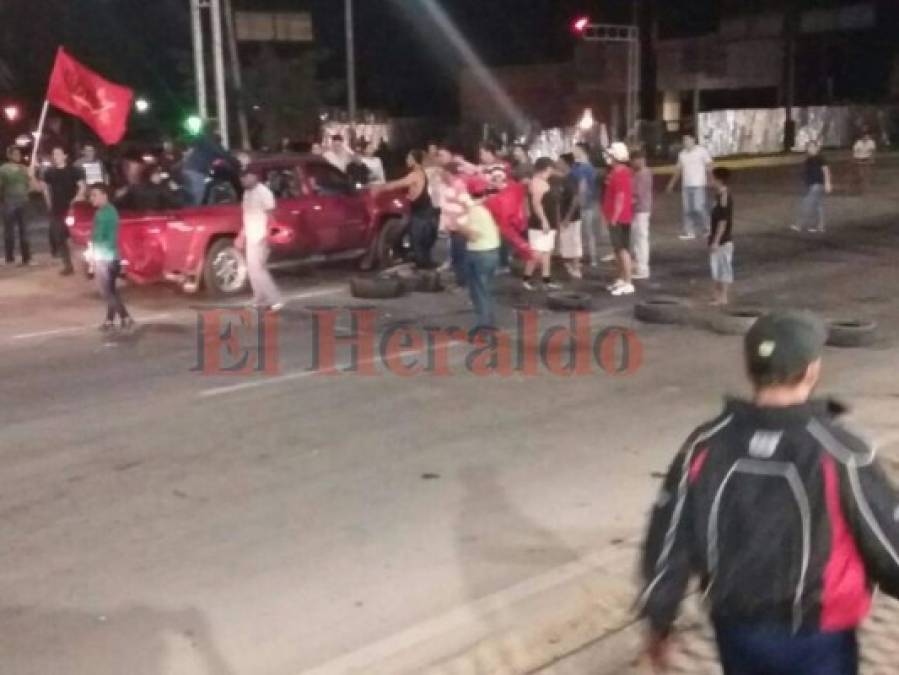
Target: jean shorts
721, 262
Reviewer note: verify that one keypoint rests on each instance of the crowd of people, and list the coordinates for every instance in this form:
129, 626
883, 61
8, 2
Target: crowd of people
502, 204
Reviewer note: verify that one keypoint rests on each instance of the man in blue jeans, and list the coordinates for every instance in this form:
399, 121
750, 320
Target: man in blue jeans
481, 261
785, 516
694, 164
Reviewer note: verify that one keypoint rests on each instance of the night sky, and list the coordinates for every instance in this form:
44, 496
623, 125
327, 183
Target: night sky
405, 64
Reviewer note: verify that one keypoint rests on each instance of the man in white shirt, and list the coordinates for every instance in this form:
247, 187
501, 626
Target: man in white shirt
258, 204
693, 166
338, 154
863, 156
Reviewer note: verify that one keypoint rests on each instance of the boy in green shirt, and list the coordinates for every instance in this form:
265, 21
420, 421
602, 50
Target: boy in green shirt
14, 187
107, 265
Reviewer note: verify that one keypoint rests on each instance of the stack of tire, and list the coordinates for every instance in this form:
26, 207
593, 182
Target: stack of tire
738, 320
395, 285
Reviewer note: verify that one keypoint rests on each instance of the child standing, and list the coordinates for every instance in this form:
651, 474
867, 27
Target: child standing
721, 245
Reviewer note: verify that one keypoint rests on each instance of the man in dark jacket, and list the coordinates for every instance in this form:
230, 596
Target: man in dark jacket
785, 516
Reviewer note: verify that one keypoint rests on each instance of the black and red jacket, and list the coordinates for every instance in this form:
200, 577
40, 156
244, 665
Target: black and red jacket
785, 516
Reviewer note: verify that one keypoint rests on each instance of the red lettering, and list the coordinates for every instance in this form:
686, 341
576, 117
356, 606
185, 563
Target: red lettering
326, 340
606, 348
399, 342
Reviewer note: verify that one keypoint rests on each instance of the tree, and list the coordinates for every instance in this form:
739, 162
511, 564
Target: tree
282, 94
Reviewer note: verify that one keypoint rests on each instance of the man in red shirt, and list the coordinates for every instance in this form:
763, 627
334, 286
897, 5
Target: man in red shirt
618, 209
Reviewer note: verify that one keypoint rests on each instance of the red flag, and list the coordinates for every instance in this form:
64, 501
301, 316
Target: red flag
102, 105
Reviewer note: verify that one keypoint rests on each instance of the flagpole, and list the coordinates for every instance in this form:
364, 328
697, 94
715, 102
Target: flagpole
39, 132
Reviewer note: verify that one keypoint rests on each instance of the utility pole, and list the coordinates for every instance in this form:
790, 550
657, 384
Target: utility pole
199, 58
236, 76
350, 61
790, 28
218, 57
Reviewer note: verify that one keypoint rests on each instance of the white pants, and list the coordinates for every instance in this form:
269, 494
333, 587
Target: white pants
640, 244
265, 292
570, 245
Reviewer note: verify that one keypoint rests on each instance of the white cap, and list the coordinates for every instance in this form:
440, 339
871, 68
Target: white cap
619, 152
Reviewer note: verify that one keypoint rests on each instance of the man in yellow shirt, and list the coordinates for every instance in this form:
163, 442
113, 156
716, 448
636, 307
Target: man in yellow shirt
481, 261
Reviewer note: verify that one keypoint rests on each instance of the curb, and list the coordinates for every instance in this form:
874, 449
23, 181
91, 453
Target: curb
517, 631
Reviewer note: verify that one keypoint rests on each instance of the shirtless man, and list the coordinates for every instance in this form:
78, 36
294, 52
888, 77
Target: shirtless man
422, 217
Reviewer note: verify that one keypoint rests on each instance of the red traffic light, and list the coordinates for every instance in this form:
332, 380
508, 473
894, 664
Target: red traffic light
579, 25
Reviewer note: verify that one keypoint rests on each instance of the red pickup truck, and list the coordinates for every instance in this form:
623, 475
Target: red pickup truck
320, 216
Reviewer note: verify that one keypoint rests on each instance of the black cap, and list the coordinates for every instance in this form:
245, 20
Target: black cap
782, 344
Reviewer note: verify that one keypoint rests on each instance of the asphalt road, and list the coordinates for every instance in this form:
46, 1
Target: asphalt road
160, 520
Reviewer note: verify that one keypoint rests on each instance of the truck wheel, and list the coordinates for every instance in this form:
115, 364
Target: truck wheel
851, 333
225, 269
381, 254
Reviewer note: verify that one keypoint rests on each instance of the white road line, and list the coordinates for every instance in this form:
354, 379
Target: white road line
79, 329
188, 314
301, 374
317, 293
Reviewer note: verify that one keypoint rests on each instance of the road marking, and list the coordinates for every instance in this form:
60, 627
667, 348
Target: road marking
470, 615
301, 374
79, 329
183, 315
320, 292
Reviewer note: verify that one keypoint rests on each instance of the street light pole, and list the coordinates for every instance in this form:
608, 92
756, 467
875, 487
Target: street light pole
218, 56
199, 58
350, 61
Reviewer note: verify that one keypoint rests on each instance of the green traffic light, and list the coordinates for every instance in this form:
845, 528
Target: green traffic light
193, 125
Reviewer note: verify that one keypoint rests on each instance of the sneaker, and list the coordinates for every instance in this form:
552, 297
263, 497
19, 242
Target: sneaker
608, 258
686, 236
445, 267
624, 289
816, 230
528, 286
614, 285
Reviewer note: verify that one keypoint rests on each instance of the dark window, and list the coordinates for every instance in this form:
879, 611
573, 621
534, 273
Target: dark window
283, 183
325, 179
221, 191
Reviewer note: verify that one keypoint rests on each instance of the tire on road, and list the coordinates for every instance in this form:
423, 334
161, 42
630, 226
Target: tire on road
734, 320
377, 288
662, 310
224, 269
569, 301
429, 282
851, 333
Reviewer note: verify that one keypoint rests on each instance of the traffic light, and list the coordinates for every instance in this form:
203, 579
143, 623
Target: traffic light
579, 25
193, 125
